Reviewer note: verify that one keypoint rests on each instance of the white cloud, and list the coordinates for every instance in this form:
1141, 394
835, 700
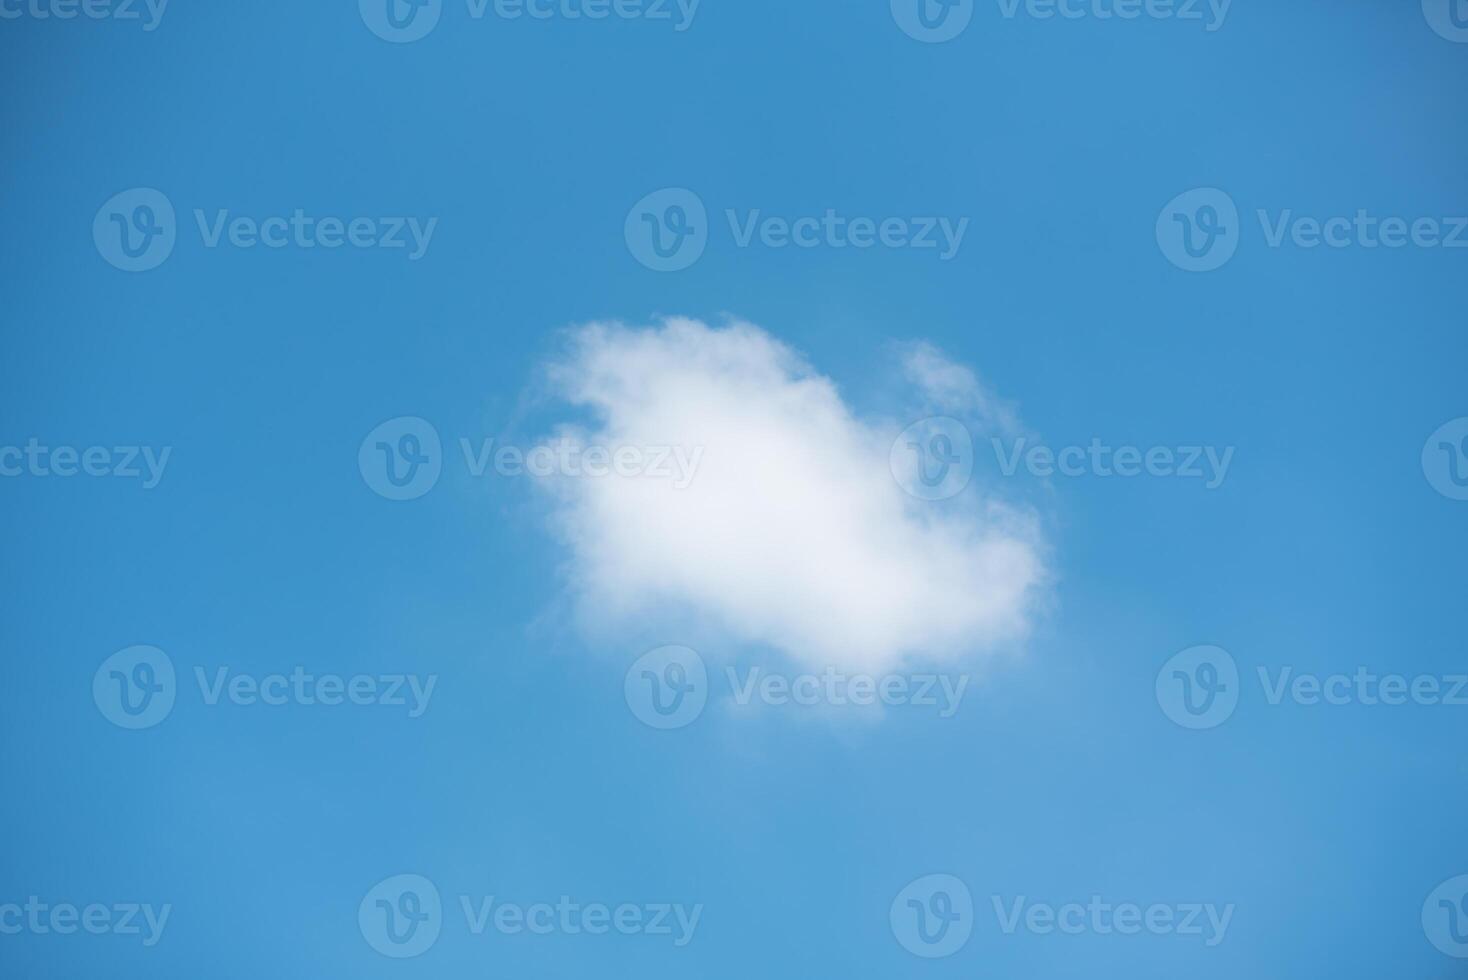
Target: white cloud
949, 387
793, 531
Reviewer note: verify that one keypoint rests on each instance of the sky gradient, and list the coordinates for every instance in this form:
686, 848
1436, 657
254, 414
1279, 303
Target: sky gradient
384, 668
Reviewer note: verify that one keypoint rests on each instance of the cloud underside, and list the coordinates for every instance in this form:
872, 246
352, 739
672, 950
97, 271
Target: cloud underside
793, 531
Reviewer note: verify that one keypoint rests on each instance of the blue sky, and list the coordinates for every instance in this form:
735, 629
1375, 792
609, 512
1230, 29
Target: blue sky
1075, 153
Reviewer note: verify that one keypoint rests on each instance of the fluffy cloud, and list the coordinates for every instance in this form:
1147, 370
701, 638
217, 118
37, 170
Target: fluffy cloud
793, 531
